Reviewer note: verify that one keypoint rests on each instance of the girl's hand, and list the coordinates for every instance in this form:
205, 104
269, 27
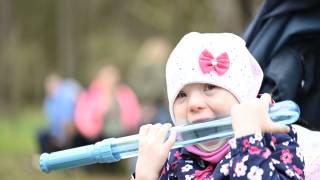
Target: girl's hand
252, 117
153, 150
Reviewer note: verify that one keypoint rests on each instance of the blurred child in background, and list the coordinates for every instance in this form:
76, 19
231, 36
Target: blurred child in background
59, 106
108, 108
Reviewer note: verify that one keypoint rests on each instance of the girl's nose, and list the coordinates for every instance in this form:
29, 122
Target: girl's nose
196, 102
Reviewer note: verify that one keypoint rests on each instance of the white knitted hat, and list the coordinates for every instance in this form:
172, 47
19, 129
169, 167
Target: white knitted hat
221, 59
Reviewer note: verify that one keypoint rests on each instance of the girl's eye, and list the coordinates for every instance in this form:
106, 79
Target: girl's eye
210, 87
181, 94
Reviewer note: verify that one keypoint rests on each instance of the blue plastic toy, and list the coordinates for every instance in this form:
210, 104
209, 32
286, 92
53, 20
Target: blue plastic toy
115, 149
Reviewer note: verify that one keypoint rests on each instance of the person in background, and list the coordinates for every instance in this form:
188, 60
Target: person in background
146, 77
107, 108
59, 105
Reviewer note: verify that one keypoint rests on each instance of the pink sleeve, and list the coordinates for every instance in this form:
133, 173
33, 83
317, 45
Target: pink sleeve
130, 111
89, 113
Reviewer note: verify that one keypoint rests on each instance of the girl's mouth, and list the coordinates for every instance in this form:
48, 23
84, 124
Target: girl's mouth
212, 145
202, 120
211, 142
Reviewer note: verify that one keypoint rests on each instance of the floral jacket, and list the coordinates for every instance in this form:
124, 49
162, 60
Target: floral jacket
268, 156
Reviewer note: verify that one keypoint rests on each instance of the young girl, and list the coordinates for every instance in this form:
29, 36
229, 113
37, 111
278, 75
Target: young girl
212, 76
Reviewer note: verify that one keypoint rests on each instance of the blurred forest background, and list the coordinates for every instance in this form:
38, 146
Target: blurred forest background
74, 38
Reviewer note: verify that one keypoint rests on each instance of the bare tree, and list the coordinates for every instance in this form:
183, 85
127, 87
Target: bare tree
5, 24
65, 32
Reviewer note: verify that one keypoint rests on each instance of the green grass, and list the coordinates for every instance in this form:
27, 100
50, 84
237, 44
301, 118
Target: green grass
18, 131
18, 148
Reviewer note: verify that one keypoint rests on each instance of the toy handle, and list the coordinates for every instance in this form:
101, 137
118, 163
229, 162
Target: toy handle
99, 152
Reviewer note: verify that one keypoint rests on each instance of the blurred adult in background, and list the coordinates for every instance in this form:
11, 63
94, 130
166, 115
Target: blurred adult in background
107, 108
59, 104
146, 77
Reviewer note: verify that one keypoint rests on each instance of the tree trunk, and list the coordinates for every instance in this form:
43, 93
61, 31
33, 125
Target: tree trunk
5, 24
66, 45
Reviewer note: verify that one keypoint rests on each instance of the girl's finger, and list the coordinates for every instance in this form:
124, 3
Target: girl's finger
154, 130
144, 130
170, 141
280, 129
234, 109
163, 131
266, 99
143, 133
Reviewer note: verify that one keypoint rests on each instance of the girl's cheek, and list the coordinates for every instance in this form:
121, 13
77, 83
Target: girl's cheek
179, 109
180, 118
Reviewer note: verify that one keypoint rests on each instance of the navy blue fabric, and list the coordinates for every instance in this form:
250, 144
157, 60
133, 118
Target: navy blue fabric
271, 156
284, 37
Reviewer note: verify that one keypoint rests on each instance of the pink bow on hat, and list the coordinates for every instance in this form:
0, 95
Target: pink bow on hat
208, 63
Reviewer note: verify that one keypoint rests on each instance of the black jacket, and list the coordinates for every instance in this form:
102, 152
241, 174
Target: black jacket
284, 37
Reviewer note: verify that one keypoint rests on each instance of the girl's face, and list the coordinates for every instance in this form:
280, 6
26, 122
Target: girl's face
199, 101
